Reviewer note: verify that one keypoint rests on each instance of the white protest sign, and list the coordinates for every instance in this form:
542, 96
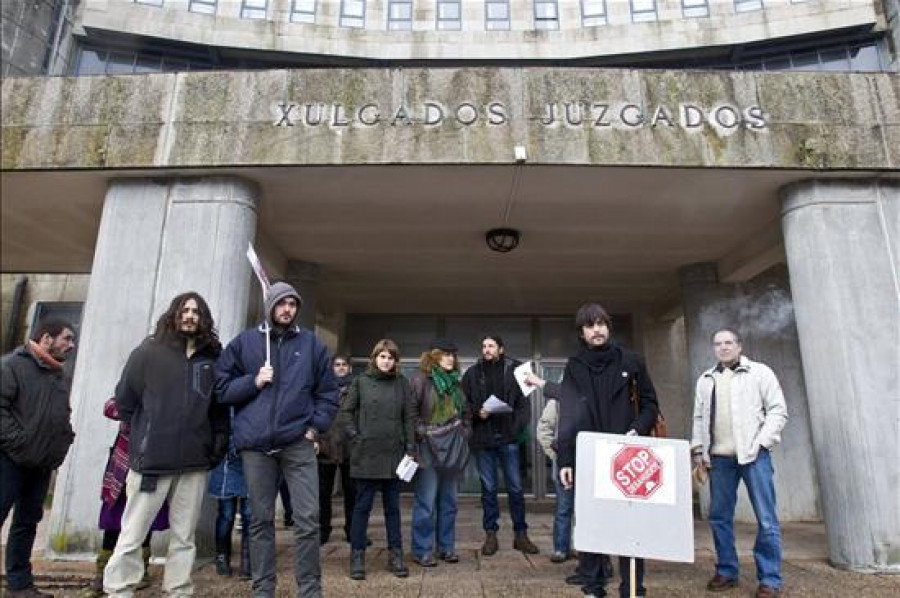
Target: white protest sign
633, 497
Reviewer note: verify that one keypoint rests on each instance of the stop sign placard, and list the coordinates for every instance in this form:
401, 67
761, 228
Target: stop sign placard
637, 471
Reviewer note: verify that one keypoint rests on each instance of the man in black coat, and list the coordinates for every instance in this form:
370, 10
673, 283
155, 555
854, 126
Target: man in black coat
596, 396
178, 433
495, 440
35, 435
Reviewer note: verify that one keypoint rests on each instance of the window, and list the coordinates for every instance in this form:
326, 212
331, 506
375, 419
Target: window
207, 7
400, 15
643, 11
353, 13
747, 5
695, 8
496, 15
593, 13
449, 14
303, 11
254, 9
150, 2
546, 14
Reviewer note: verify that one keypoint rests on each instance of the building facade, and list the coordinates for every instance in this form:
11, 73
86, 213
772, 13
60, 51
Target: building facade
690, 165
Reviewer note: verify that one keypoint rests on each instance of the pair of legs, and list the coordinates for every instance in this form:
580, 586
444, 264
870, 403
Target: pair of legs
759, 479
365, 497
562, 518
327, 473
594, 570
23, 490
263, 472
489, 460
434, 512
227, 512
125, 568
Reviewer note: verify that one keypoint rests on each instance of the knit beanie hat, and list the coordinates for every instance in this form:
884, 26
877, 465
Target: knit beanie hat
276, 293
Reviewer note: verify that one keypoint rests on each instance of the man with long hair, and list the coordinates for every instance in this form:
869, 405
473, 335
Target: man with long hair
178, 433
278, 378
35, 434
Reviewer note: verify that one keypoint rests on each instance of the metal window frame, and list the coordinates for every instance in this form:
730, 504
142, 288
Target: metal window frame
157, 3
506, 23
213, 4
751, 6
311, 14
252, 11
654, 11
350, 21
600, 15
694, 9
554, 21
394, 24
438, 20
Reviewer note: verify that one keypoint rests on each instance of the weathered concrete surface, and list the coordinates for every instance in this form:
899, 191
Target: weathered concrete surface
149, 249
809, 121
843, 246
509, 573
761, 310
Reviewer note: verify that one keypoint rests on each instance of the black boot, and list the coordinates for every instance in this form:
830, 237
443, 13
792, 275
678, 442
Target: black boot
358, 565
398, 567
245, 572
223, 566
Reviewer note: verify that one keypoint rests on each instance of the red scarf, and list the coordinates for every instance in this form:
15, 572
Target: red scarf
45, 357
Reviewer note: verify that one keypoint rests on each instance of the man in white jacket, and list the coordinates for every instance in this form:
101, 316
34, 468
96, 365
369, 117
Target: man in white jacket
739, 412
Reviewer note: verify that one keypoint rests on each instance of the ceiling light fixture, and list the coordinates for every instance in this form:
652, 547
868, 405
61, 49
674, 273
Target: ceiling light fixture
502, 240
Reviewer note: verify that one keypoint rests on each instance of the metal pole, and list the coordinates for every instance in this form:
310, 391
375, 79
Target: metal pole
633, 576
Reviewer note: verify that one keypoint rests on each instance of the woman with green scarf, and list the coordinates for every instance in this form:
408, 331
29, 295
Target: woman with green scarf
441, 406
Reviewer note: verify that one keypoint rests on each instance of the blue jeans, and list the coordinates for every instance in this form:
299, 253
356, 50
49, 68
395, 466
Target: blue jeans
434, 510
507, 456
25, 488
758, 478
225, 522
365, 497
562, 519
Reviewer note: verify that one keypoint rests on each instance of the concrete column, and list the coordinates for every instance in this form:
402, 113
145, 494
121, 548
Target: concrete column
305, 276
157, 238
842, 240
761, 310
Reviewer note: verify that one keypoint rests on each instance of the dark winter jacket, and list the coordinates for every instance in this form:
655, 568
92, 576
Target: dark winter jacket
35, 430
501, 428
176, 423
580, 412
302, 395
378, 418
333, 448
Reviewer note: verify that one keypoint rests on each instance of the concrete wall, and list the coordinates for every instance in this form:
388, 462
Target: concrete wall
39, 287
672, 31
30, 30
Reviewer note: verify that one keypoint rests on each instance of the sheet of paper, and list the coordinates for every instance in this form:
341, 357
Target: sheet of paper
520, 373
407, 468
495, 405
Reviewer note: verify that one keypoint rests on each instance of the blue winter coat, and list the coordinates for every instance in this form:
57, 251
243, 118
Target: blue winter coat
227, 479
302, 395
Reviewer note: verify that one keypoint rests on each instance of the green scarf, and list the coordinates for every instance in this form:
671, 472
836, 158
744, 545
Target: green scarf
447, 386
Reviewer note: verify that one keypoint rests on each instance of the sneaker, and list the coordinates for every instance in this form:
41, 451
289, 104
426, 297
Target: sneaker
559, 556
768, 592
720, 583
426, 560
449, 557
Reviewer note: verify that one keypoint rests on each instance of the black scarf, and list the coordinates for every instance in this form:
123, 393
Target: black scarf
596, 371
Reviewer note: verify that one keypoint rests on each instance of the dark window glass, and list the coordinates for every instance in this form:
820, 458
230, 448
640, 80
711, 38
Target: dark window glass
91, 62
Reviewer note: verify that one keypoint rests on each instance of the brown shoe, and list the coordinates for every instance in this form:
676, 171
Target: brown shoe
767, 592
490, 546
720, 583
523, 543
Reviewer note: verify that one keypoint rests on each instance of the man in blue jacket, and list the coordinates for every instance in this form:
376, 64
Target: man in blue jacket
278, 377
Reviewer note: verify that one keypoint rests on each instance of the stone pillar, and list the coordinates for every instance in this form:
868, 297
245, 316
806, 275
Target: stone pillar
842, 240
157, 238
761, 310
305, 276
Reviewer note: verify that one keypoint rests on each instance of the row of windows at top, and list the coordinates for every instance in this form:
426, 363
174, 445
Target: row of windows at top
449, 12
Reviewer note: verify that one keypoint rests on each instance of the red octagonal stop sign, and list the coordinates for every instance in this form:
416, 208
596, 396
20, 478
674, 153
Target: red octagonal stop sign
637, 471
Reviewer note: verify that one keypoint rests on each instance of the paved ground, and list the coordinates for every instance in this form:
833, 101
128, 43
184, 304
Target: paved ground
511, 574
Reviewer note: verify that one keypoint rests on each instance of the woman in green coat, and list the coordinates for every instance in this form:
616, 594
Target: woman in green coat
378, 418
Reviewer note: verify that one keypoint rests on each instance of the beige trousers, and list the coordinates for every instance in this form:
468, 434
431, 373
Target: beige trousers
126, 567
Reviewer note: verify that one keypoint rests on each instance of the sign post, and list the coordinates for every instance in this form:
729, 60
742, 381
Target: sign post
633, 498
264, 283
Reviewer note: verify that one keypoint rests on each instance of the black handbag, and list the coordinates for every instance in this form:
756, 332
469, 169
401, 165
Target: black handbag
449, 447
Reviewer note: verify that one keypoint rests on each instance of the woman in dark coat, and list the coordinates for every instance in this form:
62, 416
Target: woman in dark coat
378, 418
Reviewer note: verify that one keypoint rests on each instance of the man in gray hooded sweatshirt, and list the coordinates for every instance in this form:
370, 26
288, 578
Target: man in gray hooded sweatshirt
278, 378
